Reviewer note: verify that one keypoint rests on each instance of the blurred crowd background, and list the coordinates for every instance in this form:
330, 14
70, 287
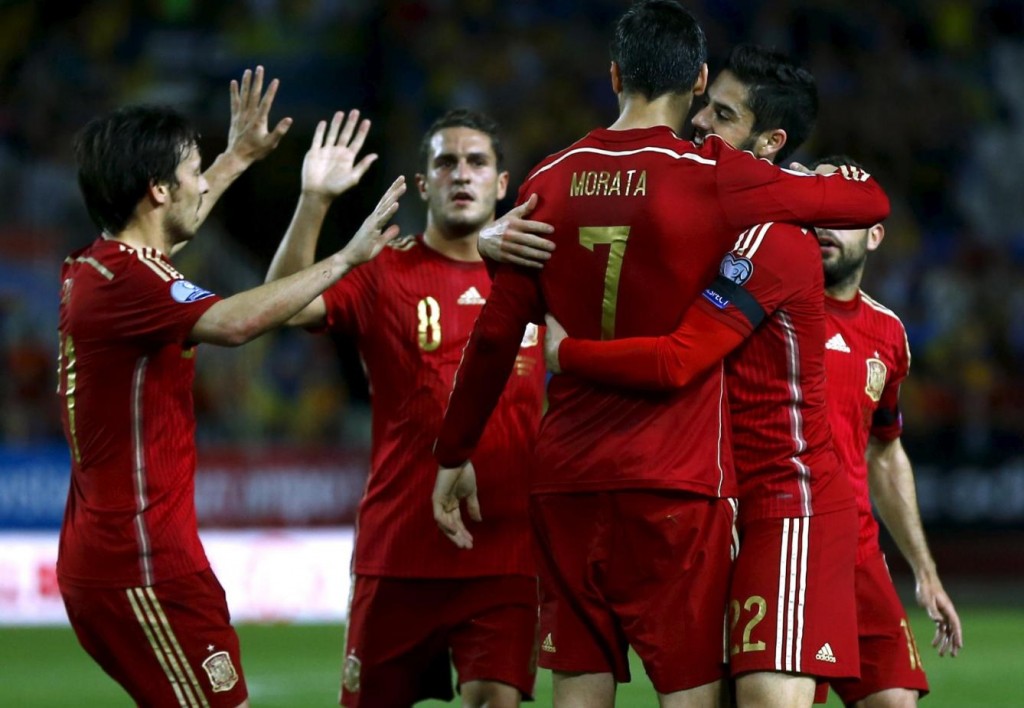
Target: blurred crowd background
926, 94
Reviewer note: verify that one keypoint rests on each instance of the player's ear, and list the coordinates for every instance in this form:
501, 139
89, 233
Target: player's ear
701, 84
502, 184
615, 74
421, 185
875, 235
769, 143
158, 192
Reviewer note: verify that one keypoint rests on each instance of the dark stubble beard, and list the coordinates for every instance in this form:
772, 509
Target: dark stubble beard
843, 270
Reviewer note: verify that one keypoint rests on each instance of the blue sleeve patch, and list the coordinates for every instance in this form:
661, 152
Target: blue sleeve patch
183, 291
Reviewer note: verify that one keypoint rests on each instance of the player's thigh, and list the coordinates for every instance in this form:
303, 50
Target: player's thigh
791, 603
578, 632
494, 633
669, 578
395, 649
170, 644
889, 657
772, 689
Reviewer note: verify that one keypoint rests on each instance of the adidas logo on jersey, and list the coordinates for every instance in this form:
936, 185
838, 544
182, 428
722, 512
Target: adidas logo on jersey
837, 344
471, 297
825, 654
547, 644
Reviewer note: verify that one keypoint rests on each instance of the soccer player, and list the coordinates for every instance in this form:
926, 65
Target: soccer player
416, 598
792, 608
630, 497
867, 357
136, 583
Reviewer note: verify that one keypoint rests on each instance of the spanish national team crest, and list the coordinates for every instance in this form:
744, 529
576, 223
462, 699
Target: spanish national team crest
876, 378
350, 674
221, 671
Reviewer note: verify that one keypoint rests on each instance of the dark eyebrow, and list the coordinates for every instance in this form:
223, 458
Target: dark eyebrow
724, 108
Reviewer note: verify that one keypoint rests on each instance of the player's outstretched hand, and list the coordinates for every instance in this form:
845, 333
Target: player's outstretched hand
949, 634
249, 137
515, 239
554, 333
330, 166
372, 236
452, 485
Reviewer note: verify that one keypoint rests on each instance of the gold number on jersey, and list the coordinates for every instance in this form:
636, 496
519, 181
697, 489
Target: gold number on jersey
616, 238
66, 375
762, 607
429, 330
915, 658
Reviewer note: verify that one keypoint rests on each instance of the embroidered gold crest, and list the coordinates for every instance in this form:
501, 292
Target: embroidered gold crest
221, 671
876, 378
350, 674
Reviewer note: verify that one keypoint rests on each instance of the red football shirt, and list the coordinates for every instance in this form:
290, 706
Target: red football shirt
642, 220
770, 292
125, 378
412, 310
867, 357
785, 462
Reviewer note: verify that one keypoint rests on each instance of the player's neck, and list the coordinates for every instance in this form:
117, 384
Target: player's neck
458, 248
141, 235
845, 291
637, 112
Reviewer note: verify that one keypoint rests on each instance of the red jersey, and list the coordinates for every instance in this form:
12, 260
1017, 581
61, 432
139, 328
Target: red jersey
642, 220
125, 377
412, 310
867, 357
771, 289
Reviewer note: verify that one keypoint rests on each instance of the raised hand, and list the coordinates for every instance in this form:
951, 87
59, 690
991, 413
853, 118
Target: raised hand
330, 166
249, 137
515, 239
371, 237
452, 485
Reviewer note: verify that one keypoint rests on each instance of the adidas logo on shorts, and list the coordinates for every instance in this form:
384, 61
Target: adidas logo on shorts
825, 654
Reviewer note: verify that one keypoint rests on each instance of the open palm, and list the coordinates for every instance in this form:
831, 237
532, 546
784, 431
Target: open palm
330, 167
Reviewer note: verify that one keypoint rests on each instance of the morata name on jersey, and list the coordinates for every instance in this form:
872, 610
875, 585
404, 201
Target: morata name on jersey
621, 183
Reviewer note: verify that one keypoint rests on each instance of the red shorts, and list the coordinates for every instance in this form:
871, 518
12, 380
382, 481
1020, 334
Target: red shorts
170, 644
888, 651
792, 605
647, 569
400, 632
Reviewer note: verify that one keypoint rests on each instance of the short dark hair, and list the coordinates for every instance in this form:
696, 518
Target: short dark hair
837, 160
780, 94
121, 153
464, 118
659, 48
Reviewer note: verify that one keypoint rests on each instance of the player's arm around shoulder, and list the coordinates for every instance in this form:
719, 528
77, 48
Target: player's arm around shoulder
515, 239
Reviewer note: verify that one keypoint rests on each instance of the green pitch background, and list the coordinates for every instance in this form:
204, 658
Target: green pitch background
297, 666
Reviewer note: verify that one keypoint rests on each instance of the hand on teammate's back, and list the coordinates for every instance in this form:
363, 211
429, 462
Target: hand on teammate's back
517, 240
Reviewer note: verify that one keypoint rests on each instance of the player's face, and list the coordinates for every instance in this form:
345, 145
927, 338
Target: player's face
182, 218
726, 113
462, 183
842, 253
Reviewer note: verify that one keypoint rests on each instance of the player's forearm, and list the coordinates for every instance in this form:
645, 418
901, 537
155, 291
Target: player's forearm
670, 361
247, 315
891, 480
297, 249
